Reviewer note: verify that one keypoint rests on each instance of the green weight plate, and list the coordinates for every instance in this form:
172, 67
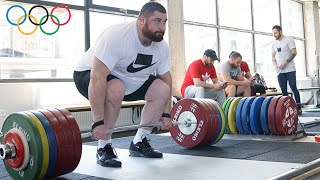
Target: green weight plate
226, 110
226, 117
232, 115
24, 123
44, 142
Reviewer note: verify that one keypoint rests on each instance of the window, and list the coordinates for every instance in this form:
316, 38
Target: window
203, 11
236, 41
299, 60
263, 48
74, 2
235, 13
100, 21
265, 14
126, 4
40, 55
197, 40
292, 18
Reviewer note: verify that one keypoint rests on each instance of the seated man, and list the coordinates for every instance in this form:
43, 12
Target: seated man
256, 87
230, 72
196, 81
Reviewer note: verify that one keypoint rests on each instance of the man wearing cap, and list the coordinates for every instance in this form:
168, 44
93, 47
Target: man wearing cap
230, 72
197, 83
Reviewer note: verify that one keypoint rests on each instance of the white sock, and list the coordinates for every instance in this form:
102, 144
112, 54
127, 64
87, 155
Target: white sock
103, 143
141, 133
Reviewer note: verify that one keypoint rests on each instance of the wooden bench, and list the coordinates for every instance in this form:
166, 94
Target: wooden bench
277, 93
135, 105
124, 104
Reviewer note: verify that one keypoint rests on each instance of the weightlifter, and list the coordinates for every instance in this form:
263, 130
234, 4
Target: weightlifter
120, 67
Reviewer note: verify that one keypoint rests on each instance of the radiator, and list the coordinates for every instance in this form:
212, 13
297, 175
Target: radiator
127, 117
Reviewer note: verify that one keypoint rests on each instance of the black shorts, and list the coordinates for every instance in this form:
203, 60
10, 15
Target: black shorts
82, 79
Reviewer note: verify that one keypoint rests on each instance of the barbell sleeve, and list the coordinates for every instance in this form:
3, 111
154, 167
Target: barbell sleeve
7, 151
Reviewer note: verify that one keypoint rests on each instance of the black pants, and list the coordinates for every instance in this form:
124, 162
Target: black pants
82, 80
290, 77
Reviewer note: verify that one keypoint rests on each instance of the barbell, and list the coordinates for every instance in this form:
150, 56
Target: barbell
46, 143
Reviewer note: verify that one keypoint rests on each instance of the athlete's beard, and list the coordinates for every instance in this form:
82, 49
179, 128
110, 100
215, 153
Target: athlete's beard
153, 36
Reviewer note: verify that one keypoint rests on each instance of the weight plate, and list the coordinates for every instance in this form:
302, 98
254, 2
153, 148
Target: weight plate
44, 142
286, 116
238, 115
61, 142
51, 140
69, 161
22, 122
76, 134
232, 115
245, 115
264, 115
221, 118
271, 114
255, 111
188, 136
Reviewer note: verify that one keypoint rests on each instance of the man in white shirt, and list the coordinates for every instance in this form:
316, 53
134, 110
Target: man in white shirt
283, 53
120, 67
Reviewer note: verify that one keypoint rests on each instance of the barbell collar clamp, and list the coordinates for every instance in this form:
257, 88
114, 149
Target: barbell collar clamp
7, 151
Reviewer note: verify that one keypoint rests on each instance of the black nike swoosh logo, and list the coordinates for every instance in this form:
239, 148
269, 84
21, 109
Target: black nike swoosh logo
132, 69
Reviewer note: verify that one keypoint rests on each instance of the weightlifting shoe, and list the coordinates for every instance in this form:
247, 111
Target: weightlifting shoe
107, 157
143, 149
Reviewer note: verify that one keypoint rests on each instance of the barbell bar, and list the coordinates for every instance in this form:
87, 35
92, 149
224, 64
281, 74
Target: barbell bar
187, 123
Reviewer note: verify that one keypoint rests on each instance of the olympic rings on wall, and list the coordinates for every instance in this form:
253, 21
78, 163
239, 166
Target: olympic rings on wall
34, 21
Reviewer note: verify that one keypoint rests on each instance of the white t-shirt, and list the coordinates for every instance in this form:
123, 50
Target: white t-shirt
282, 48
120, 49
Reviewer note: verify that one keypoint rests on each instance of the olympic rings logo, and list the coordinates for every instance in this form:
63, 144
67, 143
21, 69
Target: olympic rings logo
34, 21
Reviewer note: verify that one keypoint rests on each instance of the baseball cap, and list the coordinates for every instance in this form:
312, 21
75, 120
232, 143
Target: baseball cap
212, 54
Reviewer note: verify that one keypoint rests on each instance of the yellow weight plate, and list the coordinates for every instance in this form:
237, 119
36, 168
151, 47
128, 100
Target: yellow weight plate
232, 115
224, 122
44, 141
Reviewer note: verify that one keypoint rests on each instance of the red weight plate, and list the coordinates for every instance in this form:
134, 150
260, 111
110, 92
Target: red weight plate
61, 142
76, 134
206, 140
15, 139
188, 136
214, 119
271, 115
286, 116
317, 137
69, 139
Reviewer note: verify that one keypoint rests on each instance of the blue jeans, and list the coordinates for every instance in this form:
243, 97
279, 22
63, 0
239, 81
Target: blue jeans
291, 78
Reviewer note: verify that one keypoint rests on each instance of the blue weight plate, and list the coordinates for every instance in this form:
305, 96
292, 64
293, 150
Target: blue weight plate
264, 115
52, 142
255, 110
238, 115
245, 115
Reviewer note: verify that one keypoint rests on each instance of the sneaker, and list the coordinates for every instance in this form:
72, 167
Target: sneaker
143, 149
107, 157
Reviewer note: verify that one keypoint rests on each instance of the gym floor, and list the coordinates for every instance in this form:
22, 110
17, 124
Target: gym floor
233, 157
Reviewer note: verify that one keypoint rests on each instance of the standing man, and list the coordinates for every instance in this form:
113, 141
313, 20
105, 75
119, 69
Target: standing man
283, 53
229, 71
199, 73
120, 67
